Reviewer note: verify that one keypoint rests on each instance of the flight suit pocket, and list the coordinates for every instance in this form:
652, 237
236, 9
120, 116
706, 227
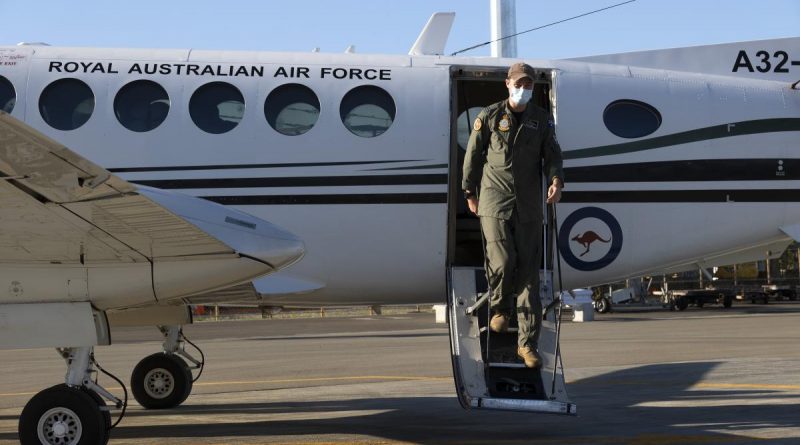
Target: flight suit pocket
497, 154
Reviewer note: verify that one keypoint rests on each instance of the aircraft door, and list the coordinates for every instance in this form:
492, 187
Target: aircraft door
488, 373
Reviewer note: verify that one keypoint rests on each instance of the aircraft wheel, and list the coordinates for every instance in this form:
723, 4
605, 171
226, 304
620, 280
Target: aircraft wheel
603, 305
62, 415
681, 303
700, 302
727, 301
161, 381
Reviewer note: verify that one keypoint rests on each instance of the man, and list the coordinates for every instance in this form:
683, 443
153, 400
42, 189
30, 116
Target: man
502, 183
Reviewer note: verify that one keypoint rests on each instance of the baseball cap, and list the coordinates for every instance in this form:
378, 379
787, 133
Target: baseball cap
520, 70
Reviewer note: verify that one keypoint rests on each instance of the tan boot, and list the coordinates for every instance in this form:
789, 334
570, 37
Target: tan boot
531, 357
499, 323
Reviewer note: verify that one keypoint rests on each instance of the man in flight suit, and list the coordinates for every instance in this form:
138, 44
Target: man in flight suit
510, 142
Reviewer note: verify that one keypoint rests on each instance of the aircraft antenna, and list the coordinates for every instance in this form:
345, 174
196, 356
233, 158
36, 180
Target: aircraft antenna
540, 27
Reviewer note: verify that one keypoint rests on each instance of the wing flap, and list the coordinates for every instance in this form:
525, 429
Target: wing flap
57, 207
51, 170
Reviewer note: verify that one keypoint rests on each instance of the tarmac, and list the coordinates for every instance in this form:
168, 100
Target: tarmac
638, 376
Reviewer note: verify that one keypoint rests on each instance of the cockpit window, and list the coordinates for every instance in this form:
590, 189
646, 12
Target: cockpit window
292, 109
217, 107
367, 111
141, 105
628, 118
8, 97
66, 104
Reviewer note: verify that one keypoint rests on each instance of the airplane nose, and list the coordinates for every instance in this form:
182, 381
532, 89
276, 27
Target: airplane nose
249, 236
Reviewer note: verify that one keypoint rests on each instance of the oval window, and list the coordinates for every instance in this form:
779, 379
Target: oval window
216, 107
66, 104
141, 105
464, 125
292, 109
367, 111
628, 118
8, 97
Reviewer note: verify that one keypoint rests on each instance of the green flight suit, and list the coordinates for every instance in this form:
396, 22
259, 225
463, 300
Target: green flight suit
503, 167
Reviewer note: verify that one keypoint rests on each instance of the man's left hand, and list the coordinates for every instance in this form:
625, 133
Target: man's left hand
553, 194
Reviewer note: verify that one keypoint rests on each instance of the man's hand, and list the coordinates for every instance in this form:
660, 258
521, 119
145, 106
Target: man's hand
472, 202
553, 193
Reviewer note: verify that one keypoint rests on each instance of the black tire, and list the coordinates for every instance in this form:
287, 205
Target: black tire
681, 303
603, 305
101, 403
727, 301
700, 302
62, 415
161, 381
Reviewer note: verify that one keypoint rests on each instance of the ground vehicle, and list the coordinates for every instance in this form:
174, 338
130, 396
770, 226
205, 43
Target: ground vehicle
681, 299
767, 292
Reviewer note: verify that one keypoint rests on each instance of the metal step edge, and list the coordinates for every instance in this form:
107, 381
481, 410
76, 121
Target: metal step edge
506, 365
537, 406
509, 331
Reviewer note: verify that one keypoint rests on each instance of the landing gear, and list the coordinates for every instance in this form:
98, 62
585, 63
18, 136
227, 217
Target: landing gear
164, 380
71, 413
161, 381
62, 415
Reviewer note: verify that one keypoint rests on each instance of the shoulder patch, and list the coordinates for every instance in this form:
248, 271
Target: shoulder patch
477, 125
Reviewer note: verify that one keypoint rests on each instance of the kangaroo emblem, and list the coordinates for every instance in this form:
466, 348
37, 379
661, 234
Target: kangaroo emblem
587, 239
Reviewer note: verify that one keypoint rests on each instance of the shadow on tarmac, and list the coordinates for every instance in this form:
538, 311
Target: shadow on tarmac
647, 404
354, 335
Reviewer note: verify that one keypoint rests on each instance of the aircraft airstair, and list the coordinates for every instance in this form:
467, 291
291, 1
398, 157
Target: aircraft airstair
488, 373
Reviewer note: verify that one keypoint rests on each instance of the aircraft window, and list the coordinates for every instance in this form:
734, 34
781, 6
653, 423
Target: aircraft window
66, 104
630, 119
216, 107
367, 111
464, 125
141, 105
8, 97
292, 109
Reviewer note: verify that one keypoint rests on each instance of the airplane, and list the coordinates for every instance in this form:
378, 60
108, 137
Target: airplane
677, 159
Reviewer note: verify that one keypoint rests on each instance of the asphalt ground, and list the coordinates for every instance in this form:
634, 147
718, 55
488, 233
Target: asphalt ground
638, 376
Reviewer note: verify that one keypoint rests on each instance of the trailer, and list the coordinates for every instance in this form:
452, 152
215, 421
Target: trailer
767, 292
682, 299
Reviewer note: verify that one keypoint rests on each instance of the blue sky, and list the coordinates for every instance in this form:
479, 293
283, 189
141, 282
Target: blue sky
390, 27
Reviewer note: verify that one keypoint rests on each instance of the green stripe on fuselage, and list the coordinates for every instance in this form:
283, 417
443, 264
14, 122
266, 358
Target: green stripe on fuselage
686, 137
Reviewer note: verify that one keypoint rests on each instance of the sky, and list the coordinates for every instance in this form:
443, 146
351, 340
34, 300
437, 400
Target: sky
391, 27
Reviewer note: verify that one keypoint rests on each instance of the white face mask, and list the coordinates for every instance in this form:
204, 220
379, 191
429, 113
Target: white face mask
520, 96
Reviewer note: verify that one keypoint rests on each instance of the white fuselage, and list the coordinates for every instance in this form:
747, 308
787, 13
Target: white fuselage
377, 213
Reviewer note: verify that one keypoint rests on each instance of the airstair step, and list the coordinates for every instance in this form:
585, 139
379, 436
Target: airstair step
506, 365
509, 331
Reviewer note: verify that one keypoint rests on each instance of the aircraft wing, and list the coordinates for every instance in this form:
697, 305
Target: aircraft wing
756, 59
71, 230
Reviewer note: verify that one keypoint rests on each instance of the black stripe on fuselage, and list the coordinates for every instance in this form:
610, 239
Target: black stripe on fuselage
383, 198
310, 181
664, 196
689, 171
588, 197
247, 166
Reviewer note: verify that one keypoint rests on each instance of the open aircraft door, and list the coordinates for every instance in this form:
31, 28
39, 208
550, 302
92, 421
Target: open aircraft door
488, 374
